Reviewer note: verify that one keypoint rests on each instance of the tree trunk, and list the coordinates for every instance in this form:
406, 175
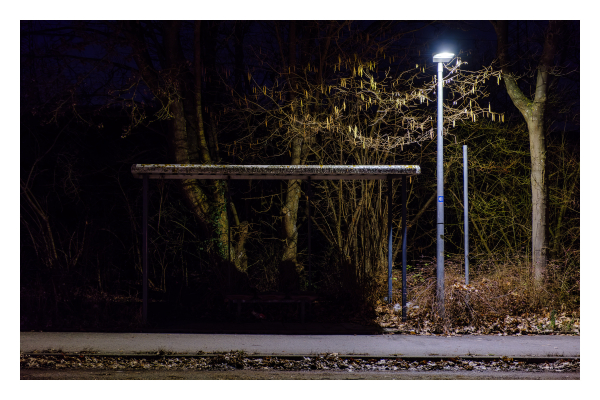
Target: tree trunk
292, 195
290, 208
187, 132
539, 198
533, 113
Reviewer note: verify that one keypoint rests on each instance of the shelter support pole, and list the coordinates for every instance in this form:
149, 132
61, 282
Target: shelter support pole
404, 248
145, 250
390, 253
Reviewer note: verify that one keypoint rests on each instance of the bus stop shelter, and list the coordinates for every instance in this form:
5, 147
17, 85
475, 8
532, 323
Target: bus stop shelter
280, 172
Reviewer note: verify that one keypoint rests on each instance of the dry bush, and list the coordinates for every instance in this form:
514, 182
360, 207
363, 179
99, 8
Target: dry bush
497, 291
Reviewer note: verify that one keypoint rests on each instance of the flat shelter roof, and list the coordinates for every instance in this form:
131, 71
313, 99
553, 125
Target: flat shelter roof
329, 172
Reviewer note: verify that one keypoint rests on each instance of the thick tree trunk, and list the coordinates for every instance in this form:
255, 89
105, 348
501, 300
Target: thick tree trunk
214, 215
539, 199
187, 131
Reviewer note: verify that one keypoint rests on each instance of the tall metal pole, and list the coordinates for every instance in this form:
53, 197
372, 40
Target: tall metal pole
404, 248
466, 205
389, 181
440, 194
145, 250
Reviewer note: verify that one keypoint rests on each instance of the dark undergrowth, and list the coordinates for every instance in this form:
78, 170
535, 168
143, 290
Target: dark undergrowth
500, 297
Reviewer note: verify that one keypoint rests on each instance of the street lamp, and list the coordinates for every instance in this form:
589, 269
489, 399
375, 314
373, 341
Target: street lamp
440, 58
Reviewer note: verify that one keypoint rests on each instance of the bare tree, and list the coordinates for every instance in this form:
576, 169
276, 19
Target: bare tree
533, 111
346, 108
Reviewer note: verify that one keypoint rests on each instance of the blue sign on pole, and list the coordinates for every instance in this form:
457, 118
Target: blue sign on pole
440, 199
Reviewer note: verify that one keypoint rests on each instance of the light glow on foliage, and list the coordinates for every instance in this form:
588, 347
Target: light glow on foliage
382, 111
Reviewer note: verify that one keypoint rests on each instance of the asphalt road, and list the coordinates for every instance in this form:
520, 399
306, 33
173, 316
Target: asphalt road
34, 374
285, 345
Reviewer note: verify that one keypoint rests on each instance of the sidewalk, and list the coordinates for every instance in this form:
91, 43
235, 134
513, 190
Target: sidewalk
279, 345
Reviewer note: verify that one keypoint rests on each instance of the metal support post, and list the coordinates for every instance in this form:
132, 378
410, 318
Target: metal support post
227, 205
390, 254
308, 199
440, 194
227, 201
466, 205
404, 248
145, 250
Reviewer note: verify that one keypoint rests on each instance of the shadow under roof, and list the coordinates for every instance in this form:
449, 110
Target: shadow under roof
331, 172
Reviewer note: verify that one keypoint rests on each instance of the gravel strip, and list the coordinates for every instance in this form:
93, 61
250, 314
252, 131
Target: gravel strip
240, 361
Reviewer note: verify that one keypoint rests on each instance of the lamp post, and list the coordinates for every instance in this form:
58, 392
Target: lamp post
440, 58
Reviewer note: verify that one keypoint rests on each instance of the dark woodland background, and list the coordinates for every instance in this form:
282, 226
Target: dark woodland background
93, 102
